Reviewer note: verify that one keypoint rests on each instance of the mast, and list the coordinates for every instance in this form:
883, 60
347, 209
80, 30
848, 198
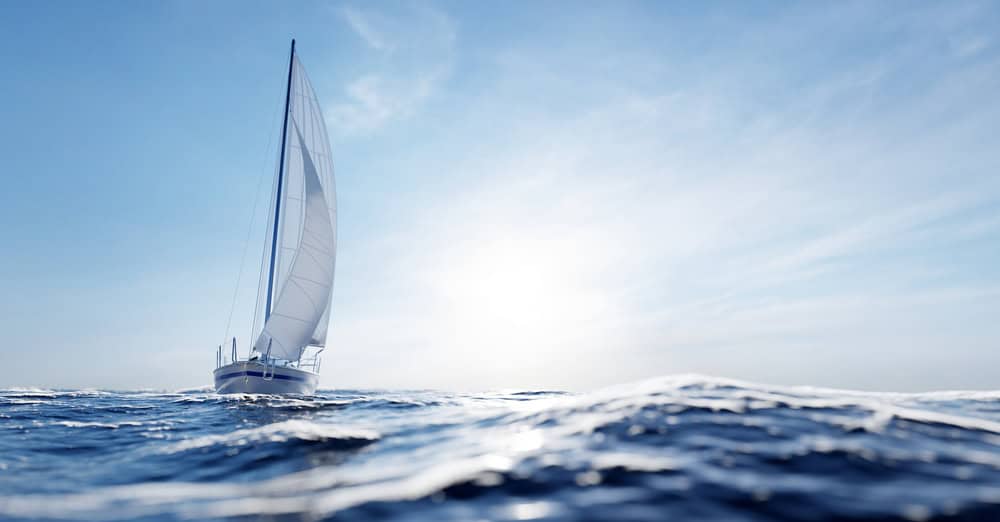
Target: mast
281, 171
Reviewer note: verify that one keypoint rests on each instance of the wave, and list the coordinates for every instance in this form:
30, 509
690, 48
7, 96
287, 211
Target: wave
105, 425
208, 388
291, 430
679, 447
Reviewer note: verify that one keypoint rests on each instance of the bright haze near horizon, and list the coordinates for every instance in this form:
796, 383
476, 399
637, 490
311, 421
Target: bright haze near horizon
531, 194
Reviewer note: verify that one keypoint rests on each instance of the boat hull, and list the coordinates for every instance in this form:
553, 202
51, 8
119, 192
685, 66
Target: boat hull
254, 377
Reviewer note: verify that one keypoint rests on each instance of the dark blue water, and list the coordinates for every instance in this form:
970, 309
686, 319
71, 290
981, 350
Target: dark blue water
682, 448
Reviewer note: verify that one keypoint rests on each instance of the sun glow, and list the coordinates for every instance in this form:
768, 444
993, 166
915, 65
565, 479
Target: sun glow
525, 298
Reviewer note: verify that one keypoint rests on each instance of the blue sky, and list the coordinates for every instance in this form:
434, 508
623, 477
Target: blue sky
537, 194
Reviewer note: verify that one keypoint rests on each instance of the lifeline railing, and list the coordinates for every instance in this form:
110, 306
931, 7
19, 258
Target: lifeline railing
312, 363
268, 363
220, 359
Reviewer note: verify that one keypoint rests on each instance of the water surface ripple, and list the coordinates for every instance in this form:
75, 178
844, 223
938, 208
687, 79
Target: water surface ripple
675, 448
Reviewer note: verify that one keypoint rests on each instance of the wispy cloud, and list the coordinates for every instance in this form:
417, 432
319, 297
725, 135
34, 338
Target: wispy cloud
361, 24
413, 52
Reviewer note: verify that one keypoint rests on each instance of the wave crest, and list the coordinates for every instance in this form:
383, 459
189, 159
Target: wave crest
280, 432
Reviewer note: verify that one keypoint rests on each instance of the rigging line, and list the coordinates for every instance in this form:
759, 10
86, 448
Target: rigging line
246, 243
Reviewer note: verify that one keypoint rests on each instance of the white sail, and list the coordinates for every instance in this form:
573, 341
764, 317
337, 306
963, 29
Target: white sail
307, 232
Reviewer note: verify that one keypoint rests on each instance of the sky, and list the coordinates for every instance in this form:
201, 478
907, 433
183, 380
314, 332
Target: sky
545, 195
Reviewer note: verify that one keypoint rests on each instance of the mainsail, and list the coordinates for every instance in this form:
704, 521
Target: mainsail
300, 250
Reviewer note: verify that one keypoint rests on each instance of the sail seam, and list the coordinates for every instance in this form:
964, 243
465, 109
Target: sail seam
314, 259
306, 294
300, 278
289, 317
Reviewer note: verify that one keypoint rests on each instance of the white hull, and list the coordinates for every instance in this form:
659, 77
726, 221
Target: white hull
254, 377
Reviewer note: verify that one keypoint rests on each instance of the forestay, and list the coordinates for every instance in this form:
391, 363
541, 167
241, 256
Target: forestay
307, 232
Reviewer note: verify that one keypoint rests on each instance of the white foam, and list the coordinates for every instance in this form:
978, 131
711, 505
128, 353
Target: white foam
108, 425
276, 432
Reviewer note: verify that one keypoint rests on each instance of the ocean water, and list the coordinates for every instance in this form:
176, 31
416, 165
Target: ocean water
675, 448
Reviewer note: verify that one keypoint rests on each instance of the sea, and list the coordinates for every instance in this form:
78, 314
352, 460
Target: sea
669, 449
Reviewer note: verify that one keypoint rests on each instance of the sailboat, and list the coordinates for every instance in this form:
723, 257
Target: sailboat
296, 280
